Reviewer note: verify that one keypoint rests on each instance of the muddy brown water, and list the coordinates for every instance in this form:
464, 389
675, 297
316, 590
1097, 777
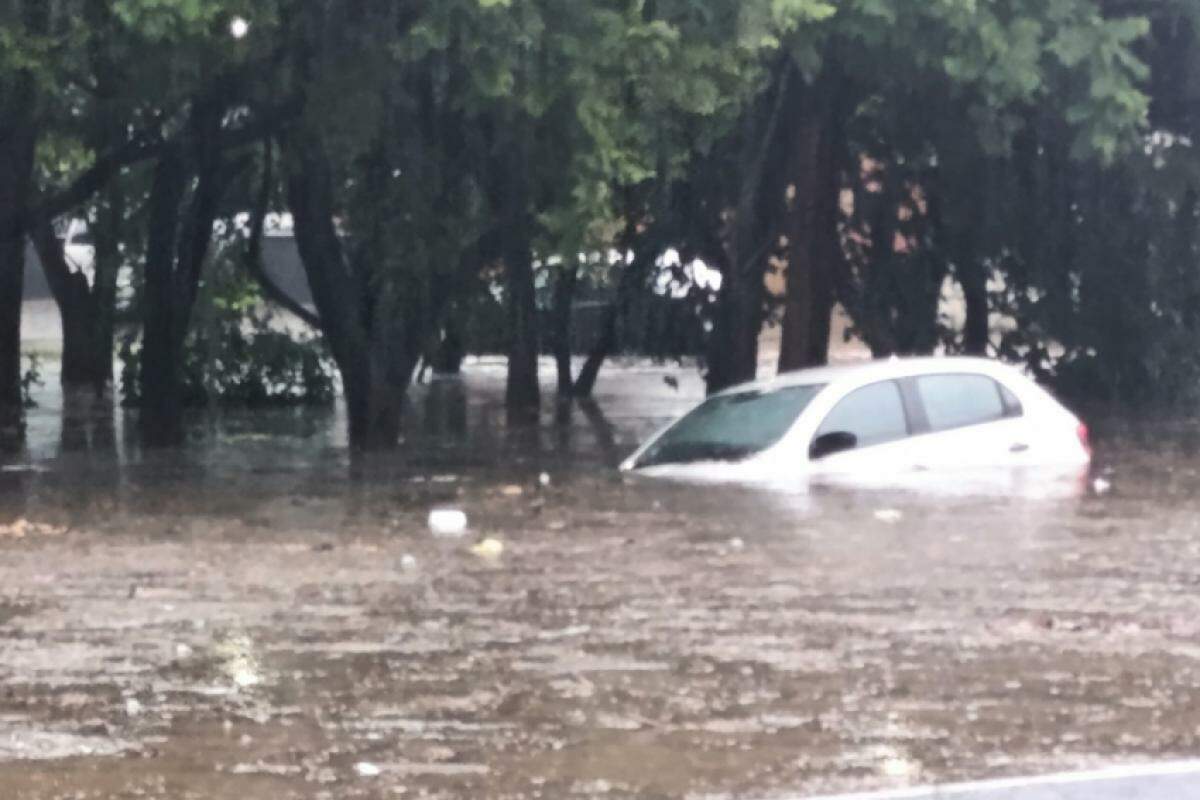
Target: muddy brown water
259, 616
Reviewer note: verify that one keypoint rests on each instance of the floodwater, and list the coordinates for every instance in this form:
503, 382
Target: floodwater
259, 616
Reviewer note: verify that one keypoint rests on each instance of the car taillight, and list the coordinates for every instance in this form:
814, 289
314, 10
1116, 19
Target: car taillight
1085, 437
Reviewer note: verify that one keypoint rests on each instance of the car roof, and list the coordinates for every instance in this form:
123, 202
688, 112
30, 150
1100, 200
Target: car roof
877, 370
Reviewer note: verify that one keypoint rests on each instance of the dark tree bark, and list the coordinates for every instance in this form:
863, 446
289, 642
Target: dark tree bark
375, 341
968, 254
18, 136
522, 390
814, 247
159, 376
86, 323
451, 350
750, 242
606, 342
177, 245
564, 296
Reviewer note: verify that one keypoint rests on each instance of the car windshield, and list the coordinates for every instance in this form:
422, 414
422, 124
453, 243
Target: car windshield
731, 427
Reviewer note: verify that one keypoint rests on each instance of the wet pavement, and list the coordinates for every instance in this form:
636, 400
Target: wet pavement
261, 616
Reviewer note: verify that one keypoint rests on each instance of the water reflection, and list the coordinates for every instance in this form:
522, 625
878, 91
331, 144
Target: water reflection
453, 427
88, 423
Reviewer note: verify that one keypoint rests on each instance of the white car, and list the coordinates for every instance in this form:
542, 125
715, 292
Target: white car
878, 418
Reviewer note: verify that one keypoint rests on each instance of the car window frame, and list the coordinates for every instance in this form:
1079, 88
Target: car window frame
905, 407
910, 388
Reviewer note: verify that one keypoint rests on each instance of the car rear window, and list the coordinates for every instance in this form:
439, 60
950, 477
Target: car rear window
874, 414
954, 401
731, 427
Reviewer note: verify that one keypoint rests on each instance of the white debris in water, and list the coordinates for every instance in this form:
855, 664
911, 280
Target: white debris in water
244, 676
132, 707
366, 769
1101, 486
183, 651
899, 768
544, 479
408, 562
889, 515
489, 549
737, 543
239, 663
449, 522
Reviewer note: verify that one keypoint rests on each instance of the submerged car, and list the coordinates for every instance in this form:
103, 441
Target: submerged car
881, 417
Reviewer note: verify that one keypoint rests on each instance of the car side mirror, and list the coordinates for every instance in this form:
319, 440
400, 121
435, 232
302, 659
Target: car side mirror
834, 442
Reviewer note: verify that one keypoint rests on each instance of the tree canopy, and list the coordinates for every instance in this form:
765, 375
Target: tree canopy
1035, 156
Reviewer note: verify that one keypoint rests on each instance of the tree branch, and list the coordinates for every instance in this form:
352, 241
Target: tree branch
253, 257
54, 261
143, 148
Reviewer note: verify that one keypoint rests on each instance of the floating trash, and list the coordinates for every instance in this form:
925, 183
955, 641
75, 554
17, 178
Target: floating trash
489, 549
447, 522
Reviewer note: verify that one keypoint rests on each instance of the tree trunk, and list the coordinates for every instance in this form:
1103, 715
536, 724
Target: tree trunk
12, 267
564, 296
733, 351
606, 342
814, 249
522, 392
973, 277
976, 333
107, 264
86, 351
751, 241
161, 390
177, 244
450, 352
16, 173
376, 342
375, 398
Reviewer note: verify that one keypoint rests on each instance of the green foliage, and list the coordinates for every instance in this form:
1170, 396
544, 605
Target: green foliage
642, 121
238, 353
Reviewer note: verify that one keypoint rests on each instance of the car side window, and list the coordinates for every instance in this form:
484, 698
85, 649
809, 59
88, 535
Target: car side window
955, 401
873, 415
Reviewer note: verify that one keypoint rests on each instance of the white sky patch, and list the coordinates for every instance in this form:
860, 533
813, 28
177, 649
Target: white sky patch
695, 274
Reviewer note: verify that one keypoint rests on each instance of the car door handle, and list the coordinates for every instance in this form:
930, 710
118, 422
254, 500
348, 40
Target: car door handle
1019, 447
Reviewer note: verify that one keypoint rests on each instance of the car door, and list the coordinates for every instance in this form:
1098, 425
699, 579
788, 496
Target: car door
876, 417
966, 420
